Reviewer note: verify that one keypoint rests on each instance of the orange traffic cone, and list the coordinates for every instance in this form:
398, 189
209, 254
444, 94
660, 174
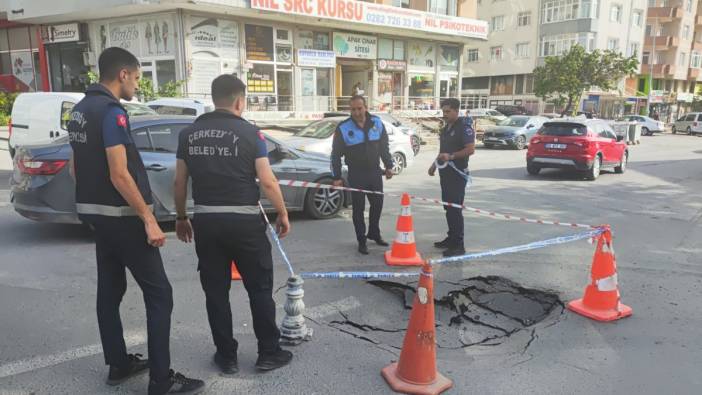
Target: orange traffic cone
415, 372
601, 300
235, 272
404, 249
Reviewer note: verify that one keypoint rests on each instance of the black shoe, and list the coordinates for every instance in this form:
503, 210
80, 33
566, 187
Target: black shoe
176, 383
226, 365
363, 248
135, 367
454, 251
445, 243
275, 360
379, 241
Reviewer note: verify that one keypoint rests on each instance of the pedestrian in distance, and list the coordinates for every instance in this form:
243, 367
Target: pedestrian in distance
225, 154
456, 145
363, 143
114, 197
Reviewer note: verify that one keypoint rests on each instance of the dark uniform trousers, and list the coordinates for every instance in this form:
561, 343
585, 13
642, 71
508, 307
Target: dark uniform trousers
453, 190
121, 243
372, 180
219, 239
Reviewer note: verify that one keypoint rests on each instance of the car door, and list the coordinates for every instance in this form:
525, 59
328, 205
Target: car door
689, 119
157, 144
609, 141
284, 167
532, 126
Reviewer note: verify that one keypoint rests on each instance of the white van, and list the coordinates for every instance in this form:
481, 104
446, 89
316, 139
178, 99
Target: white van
39, 118
181, 106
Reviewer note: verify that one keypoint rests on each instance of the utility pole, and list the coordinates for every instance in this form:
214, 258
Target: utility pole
652, 55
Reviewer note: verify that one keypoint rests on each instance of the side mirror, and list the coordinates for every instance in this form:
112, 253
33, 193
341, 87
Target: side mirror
620, 138
530, 126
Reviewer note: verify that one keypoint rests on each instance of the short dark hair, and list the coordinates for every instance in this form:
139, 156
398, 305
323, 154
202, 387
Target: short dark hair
452, 102
226, 88
358, 97
114, 59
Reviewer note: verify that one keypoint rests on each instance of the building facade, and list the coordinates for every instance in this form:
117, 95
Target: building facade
522, 34
293, 56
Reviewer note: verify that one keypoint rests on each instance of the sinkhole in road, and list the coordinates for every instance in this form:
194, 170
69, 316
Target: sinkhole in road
485, 310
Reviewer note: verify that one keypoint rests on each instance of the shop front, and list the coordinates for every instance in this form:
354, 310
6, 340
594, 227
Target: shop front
421, 70
315, 68
355, 66
392, 69
67, 48
19, 58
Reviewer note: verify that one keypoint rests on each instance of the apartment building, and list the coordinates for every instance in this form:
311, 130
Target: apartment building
672, 56
294, 55
521, 34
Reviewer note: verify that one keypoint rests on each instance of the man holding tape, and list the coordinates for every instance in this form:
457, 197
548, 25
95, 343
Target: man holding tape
456, 145
225, 154
363, 142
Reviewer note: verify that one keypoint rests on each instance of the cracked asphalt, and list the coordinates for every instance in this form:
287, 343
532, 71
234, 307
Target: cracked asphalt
501, 325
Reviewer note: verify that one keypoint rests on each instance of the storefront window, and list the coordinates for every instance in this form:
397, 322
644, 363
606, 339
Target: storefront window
4, 45
421, 91
19, 38
259, 43
399, 50
307, 39
503, 85
422, 55
448, 58
5, 66
385, 48
260, 79
323, 82
165, 71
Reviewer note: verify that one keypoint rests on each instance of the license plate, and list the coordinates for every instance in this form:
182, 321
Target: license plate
555, 146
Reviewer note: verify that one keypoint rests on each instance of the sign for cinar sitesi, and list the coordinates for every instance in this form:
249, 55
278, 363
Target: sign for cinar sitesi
377, 15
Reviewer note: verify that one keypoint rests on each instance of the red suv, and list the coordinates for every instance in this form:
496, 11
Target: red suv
587, 145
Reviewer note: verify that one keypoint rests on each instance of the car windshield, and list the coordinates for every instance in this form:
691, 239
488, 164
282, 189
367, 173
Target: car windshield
563, 129
134, 109
514, 121
318, 130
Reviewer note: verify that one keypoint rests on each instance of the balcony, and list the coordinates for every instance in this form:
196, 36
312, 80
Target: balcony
693, 73
665, 14
697, 46
662, 41
659, 70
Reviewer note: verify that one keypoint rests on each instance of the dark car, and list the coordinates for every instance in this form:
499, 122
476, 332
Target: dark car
43, 189
512, 110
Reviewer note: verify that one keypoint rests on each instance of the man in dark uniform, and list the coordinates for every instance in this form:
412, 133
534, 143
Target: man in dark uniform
363, 142
113, 195
225, 154
456, 145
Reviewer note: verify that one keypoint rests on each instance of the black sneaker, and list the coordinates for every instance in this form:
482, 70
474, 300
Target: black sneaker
226, 365
135, 367
445, 243
176, 384
275, 360
379, 241
363, 248
454, 251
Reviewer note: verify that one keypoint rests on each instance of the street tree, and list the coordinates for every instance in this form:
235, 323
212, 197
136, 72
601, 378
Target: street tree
564, 78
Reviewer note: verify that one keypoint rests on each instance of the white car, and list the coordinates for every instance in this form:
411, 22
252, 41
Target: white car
318, 137
648, 125
486, 113
181, 106
690, 123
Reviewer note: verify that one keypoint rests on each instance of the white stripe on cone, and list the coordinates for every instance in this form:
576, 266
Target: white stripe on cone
607, 284
405, 211
405, 238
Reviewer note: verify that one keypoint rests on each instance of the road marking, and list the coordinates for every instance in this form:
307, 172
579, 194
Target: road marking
43, 361
330, 308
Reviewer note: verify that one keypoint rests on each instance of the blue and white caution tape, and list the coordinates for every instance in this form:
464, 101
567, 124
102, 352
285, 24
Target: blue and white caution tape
275, 237
358, 275
524, 247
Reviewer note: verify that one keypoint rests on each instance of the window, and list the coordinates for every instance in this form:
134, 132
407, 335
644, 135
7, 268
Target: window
524, 18
633, 49
651, 3
690, 117
649, 31
563, 10
615, 13
401, 3
613, 44
645, 59
173, 110
391, 49
557, 44
141, 139
307, 39
529, 84
503, 85
638, 18
686, 32
497, 23
522, 50
442, 7
165, 72
473, 55
66, 108
696, 60
688, 5
476, 83
682, 59
519, 85
495, 53
165, 137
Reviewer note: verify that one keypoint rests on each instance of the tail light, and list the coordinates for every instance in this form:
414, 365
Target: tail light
35, 167
535, 140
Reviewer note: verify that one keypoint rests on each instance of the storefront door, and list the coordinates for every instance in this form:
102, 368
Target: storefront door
285, 95
68, 73
315, 86
448, 86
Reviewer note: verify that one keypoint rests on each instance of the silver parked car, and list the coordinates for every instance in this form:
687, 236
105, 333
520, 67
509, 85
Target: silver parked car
515, 131
43, 190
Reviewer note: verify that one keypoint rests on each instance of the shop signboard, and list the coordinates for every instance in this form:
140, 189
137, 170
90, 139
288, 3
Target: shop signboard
22, 67
146, 37
378, 15
65, 33
260, 79
259, 43
314, 58
391, 65
214, 37
357, 46
657, 96
125, 35
685, 97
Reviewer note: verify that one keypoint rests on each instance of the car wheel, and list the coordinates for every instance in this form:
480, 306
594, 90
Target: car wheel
689, 131
645, 132
594, 171
533, 169
622, 164
323, 203
520, 142
398, 163
416, 144
490, 146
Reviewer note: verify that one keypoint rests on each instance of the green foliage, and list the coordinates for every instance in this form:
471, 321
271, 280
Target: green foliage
146, 90
93, 77
563, 79
6, 102
170, 89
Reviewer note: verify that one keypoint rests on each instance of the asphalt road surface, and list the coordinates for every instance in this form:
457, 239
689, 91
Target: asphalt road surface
49, 340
